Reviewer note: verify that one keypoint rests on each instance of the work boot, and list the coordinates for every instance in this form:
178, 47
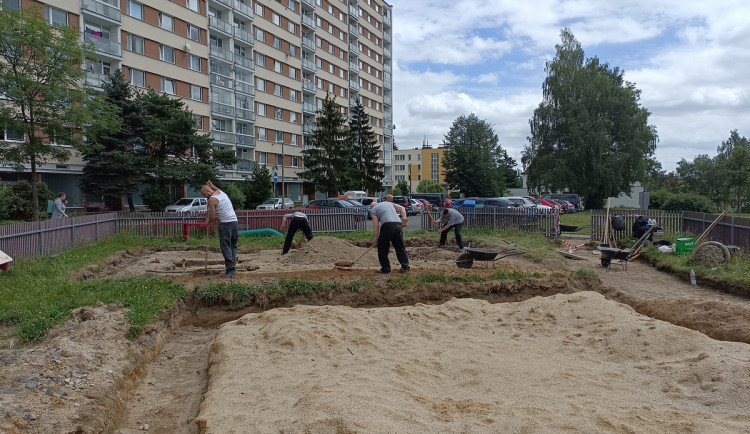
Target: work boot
381, 271
405, 268
229, 273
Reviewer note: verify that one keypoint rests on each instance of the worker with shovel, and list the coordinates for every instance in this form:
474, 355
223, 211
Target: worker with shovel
295, 221
451, 219
220, 210
387, 230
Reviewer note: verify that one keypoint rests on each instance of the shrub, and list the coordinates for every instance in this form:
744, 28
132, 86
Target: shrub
688, 202
658, 198
235, 195
156, 197
15, 201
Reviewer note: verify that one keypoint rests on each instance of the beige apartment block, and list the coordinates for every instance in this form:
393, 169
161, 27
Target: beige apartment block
253, 73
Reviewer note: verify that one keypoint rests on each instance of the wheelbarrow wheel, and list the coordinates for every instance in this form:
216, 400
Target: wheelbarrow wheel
465, 260
606, 262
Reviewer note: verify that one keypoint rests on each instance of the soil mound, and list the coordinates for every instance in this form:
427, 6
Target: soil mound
323, 250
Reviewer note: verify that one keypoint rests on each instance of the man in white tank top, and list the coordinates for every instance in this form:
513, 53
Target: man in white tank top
220, 209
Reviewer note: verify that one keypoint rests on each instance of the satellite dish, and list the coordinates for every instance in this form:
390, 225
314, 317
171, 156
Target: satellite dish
187, 47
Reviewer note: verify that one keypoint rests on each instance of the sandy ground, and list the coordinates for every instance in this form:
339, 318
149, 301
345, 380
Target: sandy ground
442, 369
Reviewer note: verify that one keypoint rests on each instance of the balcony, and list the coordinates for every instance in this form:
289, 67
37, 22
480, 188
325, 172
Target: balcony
387, 53
352, 102
227, 3
353, 32
308, 43
221, 81
244, 62
308, 22
387, 99
221, 53
308, 128
387, 116
308, 86
220, 109
387, 83
245, 140
243, 9
387, 68
220, 25
387, 20
244, 88
245, 114
353, 12
308, 65
95, 79
353, 85
310, 3
387, 37
353, 49
104, 46
243, 36
353, 67
222, 137
388, 131
245, 165
308, 107
103, 9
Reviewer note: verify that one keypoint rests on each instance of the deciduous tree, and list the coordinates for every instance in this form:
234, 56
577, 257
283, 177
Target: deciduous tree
589, 135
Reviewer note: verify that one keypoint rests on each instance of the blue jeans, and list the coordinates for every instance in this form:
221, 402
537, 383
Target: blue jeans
228, 244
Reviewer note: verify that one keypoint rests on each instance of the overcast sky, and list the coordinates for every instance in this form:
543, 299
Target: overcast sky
690, 59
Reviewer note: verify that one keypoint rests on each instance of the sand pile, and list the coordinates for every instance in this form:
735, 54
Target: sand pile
563, 363
324, 251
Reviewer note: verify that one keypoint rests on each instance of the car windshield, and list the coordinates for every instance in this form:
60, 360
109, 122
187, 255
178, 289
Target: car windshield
184, 202
354, 202
270, 202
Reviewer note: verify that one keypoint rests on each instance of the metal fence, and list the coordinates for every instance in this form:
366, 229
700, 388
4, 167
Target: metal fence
730, 230
50, 237
669, 221
527, 220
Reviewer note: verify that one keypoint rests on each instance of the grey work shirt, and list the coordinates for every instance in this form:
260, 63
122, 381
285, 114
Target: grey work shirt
386, 212
453, 218
292, 215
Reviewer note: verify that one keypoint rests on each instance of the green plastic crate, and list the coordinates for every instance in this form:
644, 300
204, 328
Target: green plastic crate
684, 245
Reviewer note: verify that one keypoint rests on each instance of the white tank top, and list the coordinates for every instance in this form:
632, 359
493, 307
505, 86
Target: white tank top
225, 211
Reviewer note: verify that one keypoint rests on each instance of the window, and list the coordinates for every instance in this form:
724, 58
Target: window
259, 35
293, 50
292, 27
262, 136
276, 43
10, 4
198, 119
262, 157
196, 92
135, 44
277, 89
167, 85
434, 157
55, 16
261, 85
135, 10
194, 62
277, 66
166, 22
13, 135
293, 117
292, 72
258, 9
219, 124
194, 33
295, 160
137, 78
292, 95
193, 5
278, 114
261, 60
276, 19
279, 157
261, 109
243, 128
293, 141
292, 5
166, 53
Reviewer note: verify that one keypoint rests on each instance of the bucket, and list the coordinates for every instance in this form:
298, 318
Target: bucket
684, 245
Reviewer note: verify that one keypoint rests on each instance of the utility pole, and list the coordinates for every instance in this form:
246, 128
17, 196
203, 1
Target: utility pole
409, 178
283, 191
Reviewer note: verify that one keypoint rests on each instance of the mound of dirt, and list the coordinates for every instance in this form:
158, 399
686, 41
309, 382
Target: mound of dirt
323, 250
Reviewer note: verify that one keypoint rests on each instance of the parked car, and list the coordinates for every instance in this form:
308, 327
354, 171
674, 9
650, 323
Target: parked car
426, 205
358, 204
570, 206
333, 202
483, 202
406, 203
188, 204
437, 199
538, 203
418, 205
275, 203
570, 197
368, 200
520, 201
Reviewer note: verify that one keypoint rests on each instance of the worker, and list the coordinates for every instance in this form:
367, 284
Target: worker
387, 230
451, 219
220, 210
295, 221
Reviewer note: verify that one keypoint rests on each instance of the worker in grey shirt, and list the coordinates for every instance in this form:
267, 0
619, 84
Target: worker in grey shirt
451, 219
387, 229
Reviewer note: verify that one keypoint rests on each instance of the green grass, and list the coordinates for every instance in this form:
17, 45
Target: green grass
580, 218
735, 273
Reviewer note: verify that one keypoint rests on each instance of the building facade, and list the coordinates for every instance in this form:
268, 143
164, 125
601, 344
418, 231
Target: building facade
253, 73
415, 165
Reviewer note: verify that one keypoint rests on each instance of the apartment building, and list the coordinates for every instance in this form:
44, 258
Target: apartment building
415, 165
253, 73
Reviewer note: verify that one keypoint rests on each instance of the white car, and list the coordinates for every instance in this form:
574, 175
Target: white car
275, 203
526, 203
188, 204
419, 206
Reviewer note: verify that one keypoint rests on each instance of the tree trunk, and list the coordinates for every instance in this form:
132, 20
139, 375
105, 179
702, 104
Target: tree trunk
131, 205
34, 192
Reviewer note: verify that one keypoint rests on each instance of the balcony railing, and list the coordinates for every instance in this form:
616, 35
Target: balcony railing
220, 25
353, 30
353, 67
245, 165
353, 11
227, 3
222, 109
221, 81
103, 45
245, 88
387, 20
95, 79
245, 140
387, 83
244, 62
308, 43
308, 107
386, 68
221, 53
245, 114
352, 102
223, 136
243, 9
387, 52
308, 64
308, 128
353, 85
386, 99
243, 35
103, 9
308, 21
353, 49
308, 86
388, 131
386, 36
309, 2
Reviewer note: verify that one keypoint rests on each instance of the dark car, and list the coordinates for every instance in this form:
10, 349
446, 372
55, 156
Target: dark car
437, 199
332, 203
365, 208
406, 203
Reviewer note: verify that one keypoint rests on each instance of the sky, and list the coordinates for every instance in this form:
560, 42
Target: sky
689, 58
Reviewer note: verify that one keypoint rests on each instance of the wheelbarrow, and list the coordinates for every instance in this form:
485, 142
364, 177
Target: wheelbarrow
610, 254
571, 228
471, 254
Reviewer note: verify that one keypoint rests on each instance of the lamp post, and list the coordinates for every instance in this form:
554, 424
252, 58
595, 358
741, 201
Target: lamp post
409, 177
282, 176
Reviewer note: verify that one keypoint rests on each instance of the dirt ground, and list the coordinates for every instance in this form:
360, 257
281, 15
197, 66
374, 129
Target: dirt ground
87, 377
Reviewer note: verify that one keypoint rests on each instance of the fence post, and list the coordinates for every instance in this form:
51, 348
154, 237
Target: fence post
731, 231
96, 228
41, 239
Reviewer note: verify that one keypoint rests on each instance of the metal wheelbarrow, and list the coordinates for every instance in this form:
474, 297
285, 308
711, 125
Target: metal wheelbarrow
471, 254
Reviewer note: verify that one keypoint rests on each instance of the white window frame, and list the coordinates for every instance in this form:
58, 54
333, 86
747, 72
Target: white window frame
6, 137
276, 19
193, 5
278, 114
135, 10
293, 117
194, 62
262, 136
277, 91
133, 73
277, 66
166, 22
135, 44
279, 136
163, 51
260, 84
166, 84
49, 15
196, 92
194, 33
261, 109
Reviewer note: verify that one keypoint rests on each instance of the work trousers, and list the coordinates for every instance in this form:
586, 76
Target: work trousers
296, 224
391, 233
228, 244
459, 240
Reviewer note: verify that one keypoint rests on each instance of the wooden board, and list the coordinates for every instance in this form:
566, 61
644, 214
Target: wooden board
571, 256
4, 259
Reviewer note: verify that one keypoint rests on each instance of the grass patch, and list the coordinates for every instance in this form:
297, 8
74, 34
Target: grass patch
580, 218
735, 273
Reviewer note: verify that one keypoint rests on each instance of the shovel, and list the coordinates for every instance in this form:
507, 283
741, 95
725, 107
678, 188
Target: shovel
350, 264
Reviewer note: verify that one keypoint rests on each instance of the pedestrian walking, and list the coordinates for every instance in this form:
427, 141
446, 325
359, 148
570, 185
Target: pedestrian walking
293, 222
58, 211
387, 230
221, 211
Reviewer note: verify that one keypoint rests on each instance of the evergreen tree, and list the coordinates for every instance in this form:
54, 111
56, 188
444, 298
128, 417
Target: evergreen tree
257, 188
368, 173
43, 103
589, 134
118, 165
327, 159
473, 161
